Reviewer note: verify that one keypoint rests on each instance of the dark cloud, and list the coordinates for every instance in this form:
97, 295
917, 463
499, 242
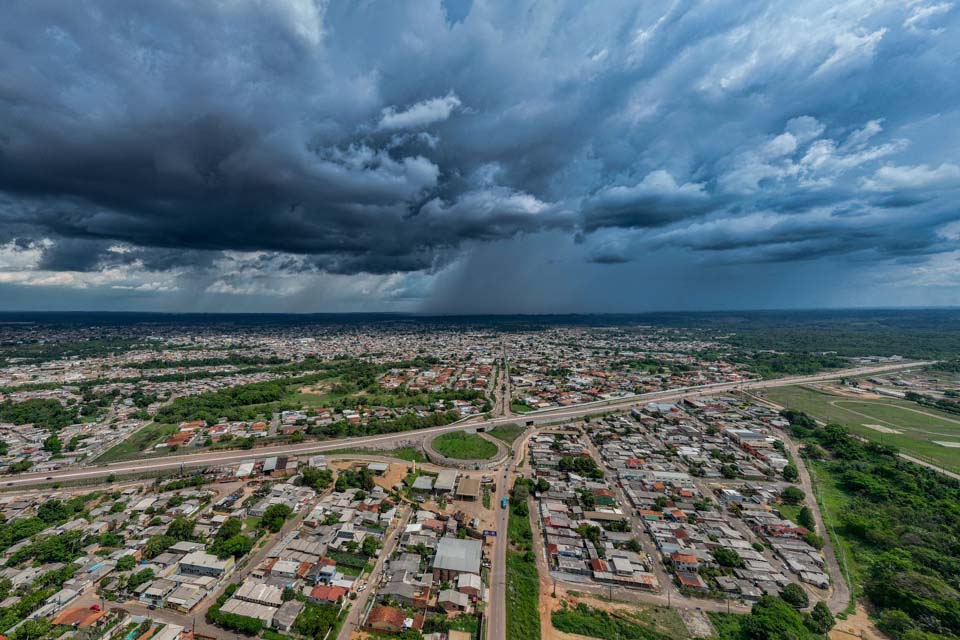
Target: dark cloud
343, 138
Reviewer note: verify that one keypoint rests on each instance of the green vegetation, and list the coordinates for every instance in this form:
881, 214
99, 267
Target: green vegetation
898, 524
522, 579
899, 423
519, 407
235, 403
407, 422
45, 351
914, 333
581, 465
770, 619
587, 621
727, 557
45, 414
316, 479
232, 621
230, 540
507, 432
233, 359
274, 517
461, 445
411, 454
316, 620
348, 559
769, 364
141, 440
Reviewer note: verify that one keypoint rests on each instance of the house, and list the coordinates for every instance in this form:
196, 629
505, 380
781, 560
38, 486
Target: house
470, 584
185, 597
685, 562
154, 593
201, 563
455, 556
692, 581
285, 569
324, 594
453, 600
287, 614
378, 468
423, 483
446, 480
386, 619
469, 489
260, 593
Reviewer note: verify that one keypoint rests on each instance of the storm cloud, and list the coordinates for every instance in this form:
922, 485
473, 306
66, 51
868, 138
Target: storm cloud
253, 148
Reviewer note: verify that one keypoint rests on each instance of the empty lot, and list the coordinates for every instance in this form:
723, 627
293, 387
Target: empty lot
926, 433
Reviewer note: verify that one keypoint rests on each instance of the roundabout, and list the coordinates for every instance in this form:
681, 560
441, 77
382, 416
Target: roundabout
465, 450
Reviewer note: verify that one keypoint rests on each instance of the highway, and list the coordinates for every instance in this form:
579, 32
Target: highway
387, 441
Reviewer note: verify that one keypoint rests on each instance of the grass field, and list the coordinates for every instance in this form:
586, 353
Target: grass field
411, 454
832, 503
508, 432
522, 581
913, 429
596, 623
138, 441
461, 445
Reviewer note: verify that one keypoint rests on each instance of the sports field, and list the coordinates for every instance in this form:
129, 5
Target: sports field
928, 434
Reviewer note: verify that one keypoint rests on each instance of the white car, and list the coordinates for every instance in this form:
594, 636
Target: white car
362, 588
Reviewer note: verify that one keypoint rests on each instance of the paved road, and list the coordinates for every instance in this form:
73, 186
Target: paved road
839, 596
359, 606
497, 611
506, 393
216, 458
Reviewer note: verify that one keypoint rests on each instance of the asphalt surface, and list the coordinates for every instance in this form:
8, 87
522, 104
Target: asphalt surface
218, 458
359, 606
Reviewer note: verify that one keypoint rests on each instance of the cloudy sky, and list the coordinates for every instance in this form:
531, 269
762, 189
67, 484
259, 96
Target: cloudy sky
457, 156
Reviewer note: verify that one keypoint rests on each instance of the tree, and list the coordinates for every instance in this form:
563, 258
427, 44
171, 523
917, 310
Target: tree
895, 622
274, 517
728, 471
813, 540
125, 563
139, 578
236, 546
727, 557
231, 527
773, 619
790, 473
820, 620
181, 529
792, 495
805, 518
53, 511
157, 545
316, 479
794, 595
633, 545
370, 546
53, 444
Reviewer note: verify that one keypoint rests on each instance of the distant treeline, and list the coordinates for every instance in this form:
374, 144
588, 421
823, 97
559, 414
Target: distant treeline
249, 401
42, 413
